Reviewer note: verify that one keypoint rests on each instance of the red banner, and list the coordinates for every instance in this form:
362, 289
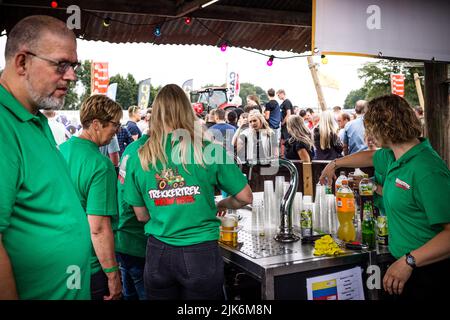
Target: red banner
398, 84
99, 78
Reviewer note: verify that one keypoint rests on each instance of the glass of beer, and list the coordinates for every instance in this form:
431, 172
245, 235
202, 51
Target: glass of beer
229, 230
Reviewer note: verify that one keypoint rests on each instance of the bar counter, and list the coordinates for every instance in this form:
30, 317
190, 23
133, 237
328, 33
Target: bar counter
282, 268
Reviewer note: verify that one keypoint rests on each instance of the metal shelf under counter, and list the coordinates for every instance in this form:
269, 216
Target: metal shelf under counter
282, 268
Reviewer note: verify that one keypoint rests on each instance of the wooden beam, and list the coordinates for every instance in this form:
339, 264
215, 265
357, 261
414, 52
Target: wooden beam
187, 7
307, 179
419, 90
312, 68
437, 115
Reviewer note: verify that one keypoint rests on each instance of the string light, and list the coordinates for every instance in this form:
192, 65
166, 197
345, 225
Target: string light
54, 4
270, 61
223, 47
187, 20
106, 22
157, 31
324, 59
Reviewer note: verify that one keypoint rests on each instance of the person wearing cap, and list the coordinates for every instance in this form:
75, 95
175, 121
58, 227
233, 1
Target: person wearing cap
94, 177
44, 233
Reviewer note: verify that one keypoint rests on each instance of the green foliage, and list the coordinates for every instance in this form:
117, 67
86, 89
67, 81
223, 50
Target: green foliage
249, 88
71, 102
353, 96
377, 81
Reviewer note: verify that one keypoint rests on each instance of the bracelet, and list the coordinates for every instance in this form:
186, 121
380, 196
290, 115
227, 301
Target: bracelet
112, 269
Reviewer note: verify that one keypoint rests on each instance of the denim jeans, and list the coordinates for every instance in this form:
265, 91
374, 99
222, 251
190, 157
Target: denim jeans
132, 271
186, 272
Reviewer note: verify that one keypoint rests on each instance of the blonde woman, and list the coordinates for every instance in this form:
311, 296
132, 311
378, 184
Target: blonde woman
327, 144
258, 141
300, 145
170, 182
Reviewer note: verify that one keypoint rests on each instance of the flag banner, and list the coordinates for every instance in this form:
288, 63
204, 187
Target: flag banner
112, 91
398, 84
144, 94
233, 85
99, 78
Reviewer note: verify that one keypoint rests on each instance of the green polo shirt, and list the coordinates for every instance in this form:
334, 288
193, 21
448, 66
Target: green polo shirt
415, 196
44, 229
130, 236
94, 177
181, 203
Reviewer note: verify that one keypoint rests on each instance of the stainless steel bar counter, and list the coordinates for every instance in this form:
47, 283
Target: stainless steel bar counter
282, 268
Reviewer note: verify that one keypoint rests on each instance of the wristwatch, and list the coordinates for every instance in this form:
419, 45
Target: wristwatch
410, 260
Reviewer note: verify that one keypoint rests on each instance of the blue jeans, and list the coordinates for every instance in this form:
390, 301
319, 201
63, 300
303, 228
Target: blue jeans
132, 270
192, 272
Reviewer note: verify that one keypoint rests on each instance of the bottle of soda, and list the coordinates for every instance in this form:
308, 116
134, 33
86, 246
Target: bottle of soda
345, 207
339, 180
368, 226
382, 230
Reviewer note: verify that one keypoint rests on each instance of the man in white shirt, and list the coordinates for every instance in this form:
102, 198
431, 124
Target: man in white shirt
58, 129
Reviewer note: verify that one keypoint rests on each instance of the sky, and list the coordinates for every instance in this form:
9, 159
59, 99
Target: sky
208, 65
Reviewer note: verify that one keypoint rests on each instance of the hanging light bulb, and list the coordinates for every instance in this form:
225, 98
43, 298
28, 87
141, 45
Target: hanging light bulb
106, 22
324, 59
187, 20
54, 4
157, 31
223, 47
270, 61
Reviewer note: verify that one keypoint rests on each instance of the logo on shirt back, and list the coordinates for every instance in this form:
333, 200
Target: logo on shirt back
402, 184
172, 189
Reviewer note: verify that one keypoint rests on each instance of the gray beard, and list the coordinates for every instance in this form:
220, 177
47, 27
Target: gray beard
46, 103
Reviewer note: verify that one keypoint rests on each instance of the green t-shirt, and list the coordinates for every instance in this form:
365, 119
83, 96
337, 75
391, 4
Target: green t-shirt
414, 196
94, 178
44, 229
181, 203
130, 236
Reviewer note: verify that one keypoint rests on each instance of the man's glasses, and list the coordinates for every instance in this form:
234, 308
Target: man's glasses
61, 66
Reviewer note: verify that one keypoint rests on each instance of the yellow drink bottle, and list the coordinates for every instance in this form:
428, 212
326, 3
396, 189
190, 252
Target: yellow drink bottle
345, 208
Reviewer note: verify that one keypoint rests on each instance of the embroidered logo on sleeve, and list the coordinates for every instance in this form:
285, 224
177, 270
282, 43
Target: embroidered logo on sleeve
402, 184
172, 189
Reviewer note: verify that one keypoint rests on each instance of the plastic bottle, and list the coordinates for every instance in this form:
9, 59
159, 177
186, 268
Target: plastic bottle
306, 223
339, 180
345, 208
368, 226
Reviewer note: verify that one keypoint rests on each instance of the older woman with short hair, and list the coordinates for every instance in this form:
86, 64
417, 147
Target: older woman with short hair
94, 178
414, 183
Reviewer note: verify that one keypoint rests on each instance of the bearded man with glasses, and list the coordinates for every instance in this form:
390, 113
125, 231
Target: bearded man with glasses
44, 234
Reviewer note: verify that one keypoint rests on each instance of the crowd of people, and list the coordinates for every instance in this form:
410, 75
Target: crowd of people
71, 228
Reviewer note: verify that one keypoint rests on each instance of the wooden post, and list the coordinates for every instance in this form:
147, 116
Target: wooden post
307, 179
312, 68
419, 90
437, 117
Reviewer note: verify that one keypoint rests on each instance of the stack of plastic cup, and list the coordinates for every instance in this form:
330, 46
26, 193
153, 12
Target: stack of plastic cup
320, 224
279, 194
269, 204
331, 213
258, 219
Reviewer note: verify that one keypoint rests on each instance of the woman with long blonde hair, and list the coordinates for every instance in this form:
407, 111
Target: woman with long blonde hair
327, 144
171, 184
300, 145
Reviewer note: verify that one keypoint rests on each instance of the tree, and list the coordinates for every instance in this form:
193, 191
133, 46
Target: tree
84, 77
127, 90
353, 96
72, 100
249, 88
153, 93
377, 79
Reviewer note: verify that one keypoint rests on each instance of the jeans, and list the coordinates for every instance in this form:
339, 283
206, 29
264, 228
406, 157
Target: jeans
132, 271
99, 285
187, 272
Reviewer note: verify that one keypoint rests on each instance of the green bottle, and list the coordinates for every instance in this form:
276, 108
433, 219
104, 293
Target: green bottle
368, 226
